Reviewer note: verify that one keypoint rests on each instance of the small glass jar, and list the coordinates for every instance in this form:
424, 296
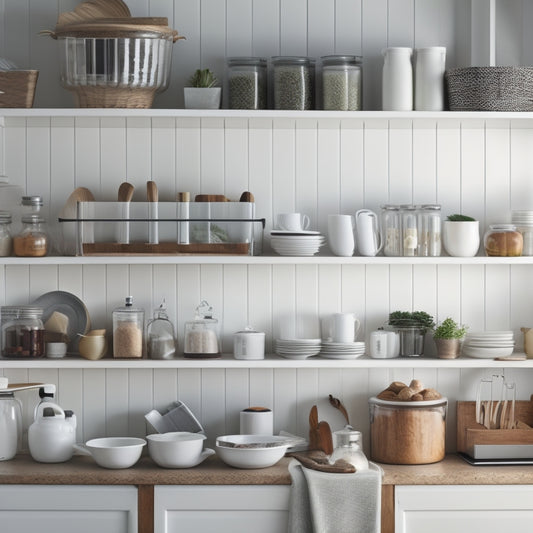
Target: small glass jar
391, 224
293, 83
22, 331
31, 205
429, 231
160, 338
349, 446
341, 83
33, 240
201, 334
128, 331
247, 82
6, 241
11, 416
409, 231
503, 240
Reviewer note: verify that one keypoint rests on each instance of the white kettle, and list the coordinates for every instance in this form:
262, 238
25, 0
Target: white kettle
52, 435
368, 236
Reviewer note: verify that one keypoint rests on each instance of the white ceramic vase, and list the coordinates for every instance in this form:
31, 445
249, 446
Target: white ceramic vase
202, 97
461, 238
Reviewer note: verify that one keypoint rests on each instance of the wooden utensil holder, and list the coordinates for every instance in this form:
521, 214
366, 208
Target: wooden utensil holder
470, 433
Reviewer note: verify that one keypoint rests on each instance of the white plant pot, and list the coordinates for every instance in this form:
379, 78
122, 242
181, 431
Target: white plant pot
461, 239
202, 97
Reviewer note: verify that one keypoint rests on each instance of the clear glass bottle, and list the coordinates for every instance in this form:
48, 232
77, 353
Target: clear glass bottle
33, 240
22, 331
293, 83
201, 334
247, 82
409, 231
349, 446
128, 331
160, 338
341, 83
391, 224
11, 424
503, 240
429, 230
6, 240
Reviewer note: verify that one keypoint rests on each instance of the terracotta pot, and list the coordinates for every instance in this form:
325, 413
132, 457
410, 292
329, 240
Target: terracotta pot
448, 348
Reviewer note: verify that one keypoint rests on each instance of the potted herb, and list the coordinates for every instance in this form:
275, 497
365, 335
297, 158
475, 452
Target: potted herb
411, 326
202, 92
461, 236
448, 336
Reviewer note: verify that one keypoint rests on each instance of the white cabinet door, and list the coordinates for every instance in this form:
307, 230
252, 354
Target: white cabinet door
464, 508
67, 509
224, 509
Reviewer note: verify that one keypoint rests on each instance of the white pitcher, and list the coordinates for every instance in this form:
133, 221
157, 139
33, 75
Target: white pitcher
368, 235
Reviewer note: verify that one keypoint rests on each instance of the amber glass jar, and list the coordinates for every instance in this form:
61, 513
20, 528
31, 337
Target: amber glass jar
22, 331
503, 240
33, 240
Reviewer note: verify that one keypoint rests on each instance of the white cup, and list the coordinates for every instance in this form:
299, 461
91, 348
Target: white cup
256, 421
292, 222
340, 234
342, 327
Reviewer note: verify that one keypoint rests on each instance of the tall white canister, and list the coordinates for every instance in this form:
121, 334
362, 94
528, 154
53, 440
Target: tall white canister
430, 64
397, 87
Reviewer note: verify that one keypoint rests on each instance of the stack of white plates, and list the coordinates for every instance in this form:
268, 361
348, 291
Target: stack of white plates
488, 344
297, 348
522, 218
295, 244
342, 350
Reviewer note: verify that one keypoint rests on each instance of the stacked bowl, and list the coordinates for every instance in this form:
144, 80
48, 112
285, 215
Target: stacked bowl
488, 344
523, 220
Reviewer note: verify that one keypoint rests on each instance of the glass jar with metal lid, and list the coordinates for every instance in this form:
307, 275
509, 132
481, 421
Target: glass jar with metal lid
409, 231
6, 241
429, 230
247, 82
503, 240
31, 204
391, 224
341, 83
293, 83
22, 331
33, 240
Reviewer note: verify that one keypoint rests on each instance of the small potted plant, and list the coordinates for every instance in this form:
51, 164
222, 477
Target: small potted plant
202, 92
461, 236
448, 337
411, 326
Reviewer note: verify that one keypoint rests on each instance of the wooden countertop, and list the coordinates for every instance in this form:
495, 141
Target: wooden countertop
83, 470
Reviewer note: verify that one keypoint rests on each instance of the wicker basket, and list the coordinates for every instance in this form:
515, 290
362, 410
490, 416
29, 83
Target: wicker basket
490, 89
17, 87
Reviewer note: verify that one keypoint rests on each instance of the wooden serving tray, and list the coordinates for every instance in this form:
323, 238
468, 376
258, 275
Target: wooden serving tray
170, 248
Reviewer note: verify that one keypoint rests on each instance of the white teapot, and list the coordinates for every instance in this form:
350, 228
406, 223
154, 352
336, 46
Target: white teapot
52, 435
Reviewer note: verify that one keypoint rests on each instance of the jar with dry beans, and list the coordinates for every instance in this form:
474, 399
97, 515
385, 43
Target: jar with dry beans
33, 240
293, 83
22, 331
128, 331
247, 82
341, 83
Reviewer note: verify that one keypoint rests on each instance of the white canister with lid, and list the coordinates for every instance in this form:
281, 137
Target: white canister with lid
249, 344
384, 344
429, 78
397, 88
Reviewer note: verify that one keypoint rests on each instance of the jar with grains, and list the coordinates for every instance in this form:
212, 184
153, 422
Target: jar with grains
409, 241
33, 240
6, 241
128, 331
160, 338
391, 224
247, 82
293, 83
201, 334
429, 230
22, 331
503, 240
341, 83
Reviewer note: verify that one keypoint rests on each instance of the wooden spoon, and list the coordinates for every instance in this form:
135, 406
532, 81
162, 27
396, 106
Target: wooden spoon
335, 402
125, 193
70, 212
153, 197
313, 428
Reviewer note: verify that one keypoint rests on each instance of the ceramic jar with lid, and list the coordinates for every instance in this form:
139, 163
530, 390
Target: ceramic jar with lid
201, 334
247, 82
6, 240
503, 240
22, 331
293, 83
33, 240
160, 337
128, 331
341, 83
397, 80
249, 344
349, 446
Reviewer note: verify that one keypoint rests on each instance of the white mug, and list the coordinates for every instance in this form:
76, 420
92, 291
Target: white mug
292, 222
256, 421
340, 234
369, 240
342, 327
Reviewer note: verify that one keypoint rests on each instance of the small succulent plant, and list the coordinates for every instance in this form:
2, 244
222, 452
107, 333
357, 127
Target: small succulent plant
460, 218
203, 78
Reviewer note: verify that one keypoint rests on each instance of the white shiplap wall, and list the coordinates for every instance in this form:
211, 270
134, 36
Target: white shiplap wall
317, 166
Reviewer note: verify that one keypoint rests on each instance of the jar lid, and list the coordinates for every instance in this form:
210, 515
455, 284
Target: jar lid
503, 227
291, 60
390, 207
347, 436
408, 207
252, 61
431, 207
249, 330
32, 219
33, 201
5, 217
21, 311
408, 404
341, 60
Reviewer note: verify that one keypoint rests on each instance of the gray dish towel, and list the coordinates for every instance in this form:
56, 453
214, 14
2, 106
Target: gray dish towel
321, 502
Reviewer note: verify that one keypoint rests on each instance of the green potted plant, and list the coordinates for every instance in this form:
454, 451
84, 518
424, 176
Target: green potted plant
461, 236
203, 91
448, 336
411, 326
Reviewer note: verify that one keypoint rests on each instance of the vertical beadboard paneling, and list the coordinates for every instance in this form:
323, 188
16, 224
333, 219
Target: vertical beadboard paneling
260, 302
69, 394
141, 287
38, 158
285, 401
94, 291
262, 387
376, 162
283, 167
320, 27
400, 171
188, 155
213, 35
163, 157
265, 27
213, 414
165, 387
521, 164
43, 278
116, 394
501, 297
238, 28
15, 146
140, 398
235, 300
87, 152
351, 166
424, 165
188, 297
329, 293
401, 289
353, 297
347, 17
328, 172
212, 151
113, 156
401, 26
448, 166
138, 154
164, 288
17, 284
498, 167
306, 397
519, 313
95, 422
283, 302
306, 168
293, 27
235, 157
307, 310
212, 290
236, 397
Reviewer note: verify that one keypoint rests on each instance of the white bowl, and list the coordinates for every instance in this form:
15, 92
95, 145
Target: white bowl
269, 451
115, 452
177, 449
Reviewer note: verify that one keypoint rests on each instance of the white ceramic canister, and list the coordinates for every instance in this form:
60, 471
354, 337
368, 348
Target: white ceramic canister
10, 425
249, 344
384, 344
257, 421
397, 81
430, 64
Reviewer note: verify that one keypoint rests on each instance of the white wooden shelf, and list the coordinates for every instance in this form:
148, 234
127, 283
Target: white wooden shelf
269, 113
262, 260
271, 361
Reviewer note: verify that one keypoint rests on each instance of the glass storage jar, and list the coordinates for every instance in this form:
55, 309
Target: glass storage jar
33, 240
128, 331
160, 338
429, 230
247, 82
201, 334
31, 205
349, 446
6, 241
341, 83
22, 331
293, 83
409, 231
391, 224
503, 240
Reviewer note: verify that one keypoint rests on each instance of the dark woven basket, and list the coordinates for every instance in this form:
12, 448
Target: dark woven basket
490, 88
